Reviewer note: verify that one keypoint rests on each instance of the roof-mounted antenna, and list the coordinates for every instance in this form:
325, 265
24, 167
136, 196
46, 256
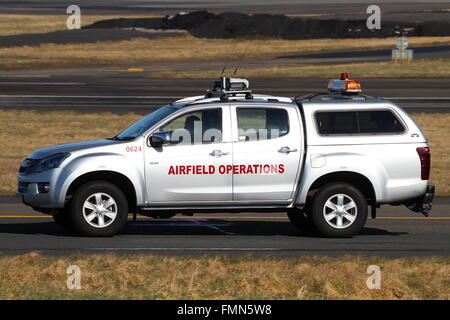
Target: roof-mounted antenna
228, 61
242, 58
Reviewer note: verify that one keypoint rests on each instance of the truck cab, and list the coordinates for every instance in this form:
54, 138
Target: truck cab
322, 158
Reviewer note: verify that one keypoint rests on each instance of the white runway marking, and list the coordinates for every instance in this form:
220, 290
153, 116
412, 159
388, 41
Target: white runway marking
212, 226
187, 223
179, 223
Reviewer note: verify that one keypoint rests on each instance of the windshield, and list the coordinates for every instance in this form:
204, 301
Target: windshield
142, 125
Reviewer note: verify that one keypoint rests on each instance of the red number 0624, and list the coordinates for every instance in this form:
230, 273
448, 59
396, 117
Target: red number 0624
133, 149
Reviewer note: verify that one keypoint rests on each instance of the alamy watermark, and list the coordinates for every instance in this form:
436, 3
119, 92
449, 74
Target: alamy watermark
374, 20
73, 277
374, 280
73, 22
195, 134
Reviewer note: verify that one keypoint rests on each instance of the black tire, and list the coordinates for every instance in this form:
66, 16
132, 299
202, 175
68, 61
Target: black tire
62, 219
345, 228
301, 219
111, 226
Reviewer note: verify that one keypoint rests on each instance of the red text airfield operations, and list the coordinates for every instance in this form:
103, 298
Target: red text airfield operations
227, 169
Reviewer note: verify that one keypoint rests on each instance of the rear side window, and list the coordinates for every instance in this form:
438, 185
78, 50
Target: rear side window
379, 122
358, 122
337, 122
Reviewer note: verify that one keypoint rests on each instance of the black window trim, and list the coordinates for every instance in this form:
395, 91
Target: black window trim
393, 111
264, 107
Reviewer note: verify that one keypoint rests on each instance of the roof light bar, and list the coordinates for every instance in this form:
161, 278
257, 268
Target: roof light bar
344, 85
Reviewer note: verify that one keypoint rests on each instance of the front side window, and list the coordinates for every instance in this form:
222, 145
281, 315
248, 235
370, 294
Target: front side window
197, 127
262, 123
358, 122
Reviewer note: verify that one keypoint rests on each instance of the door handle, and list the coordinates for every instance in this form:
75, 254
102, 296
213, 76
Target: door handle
286, 150
218, 153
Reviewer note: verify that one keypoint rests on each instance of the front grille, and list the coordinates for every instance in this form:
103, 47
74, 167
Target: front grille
28, 166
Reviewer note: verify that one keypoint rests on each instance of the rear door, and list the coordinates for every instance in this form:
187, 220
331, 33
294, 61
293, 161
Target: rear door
267, 152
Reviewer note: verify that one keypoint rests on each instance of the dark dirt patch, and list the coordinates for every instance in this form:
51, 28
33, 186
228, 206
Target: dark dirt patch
238, 25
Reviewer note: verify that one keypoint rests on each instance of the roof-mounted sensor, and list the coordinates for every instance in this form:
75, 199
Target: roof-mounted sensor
226, 87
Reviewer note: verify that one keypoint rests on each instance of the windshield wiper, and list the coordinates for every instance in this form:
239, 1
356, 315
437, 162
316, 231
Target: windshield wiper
117, 138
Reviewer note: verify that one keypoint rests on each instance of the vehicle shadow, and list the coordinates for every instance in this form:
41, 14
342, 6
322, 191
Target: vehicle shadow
187, 227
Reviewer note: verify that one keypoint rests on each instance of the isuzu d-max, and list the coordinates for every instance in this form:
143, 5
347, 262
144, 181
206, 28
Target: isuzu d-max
324, 158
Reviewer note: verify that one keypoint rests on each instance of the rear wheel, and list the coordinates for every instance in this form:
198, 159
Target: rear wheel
339, 210
98, 208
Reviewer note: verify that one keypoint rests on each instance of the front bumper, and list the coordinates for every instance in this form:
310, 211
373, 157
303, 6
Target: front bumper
423, 204
31, 196
28, 189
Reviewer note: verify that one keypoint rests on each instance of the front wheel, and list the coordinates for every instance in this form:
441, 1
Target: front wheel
98, 208
339, 210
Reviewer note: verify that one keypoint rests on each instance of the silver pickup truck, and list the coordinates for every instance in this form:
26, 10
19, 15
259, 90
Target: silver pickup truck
324, 158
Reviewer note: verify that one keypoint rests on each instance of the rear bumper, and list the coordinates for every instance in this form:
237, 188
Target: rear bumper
423, 204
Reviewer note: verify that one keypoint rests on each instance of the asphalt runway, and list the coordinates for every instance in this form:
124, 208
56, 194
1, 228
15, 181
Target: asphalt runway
397, 232
119, 90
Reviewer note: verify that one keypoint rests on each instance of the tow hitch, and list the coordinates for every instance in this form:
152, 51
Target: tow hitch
424, 205
422, 208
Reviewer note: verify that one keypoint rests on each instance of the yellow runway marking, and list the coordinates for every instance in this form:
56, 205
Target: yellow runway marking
246, 217
123, 70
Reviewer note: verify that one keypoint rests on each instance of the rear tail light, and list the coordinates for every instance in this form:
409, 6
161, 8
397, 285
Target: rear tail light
425, 162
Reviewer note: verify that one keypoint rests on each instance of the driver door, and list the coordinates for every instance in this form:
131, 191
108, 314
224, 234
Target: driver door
186, 170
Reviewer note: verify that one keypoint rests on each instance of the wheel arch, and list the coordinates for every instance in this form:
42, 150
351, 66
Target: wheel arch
358, 180
116, 178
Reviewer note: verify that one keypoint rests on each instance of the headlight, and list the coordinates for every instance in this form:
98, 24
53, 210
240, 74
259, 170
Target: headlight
53, 161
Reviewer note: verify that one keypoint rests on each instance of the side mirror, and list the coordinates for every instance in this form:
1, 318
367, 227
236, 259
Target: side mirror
158, 139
